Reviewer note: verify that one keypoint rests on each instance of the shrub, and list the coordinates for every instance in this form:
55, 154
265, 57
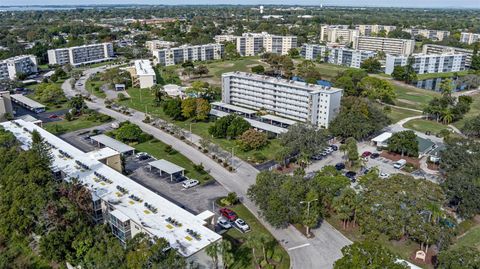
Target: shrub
277, 257
199, 167
263, 263
269, 254
230, 169
205, 150
214, 157
259, 157
225, 164
168, 149
232, 197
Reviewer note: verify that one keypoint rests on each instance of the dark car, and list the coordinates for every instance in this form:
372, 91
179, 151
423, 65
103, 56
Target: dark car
334, 147
351, 175
366, 154
374, 155
228, 214
340, 166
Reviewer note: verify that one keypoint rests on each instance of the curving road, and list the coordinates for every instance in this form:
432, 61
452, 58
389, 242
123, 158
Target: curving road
318, 252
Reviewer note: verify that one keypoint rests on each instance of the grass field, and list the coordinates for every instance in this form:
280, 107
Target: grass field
242, 253
156, 148
218, 68
474, 111
64, 126
425, 125
198, 128
412, 97
330, 71
91, 87
397, 114
471, 239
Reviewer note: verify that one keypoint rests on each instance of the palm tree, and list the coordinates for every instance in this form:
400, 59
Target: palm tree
212, 251
446, 87
447, 116
227, 255
253, 243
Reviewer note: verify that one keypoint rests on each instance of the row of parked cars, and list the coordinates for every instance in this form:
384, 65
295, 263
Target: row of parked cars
326, 151
230, 219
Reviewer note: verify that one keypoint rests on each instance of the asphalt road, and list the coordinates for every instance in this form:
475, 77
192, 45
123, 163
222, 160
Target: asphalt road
318, 252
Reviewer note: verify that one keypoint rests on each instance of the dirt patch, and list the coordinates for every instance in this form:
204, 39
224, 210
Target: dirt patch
225, 65
433, 166
430, 258
395, 157
407, 101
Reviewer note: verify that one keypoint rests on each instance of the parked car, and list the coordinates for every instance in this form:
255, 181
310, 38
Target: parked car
340, 166
366, 154
317, 157
228, 214
334, 147
374, 155
400, 164
351, 175
384, 175
53, 116
328, 150
190, 183
241, 225
224, 223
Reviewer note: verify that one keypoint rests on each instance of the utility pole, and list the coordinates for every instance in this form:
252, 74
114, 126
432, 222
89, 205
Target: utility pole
232, 157
308, 212
191, 134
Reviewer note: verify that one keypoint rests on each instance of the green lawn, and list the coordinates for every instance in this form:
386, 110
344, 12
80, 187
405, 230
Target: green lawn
412, 97
330, 71
474, 111
441, 75
64, 126
242, 253
156, 148
471, 238
244, 64
91, 86
425, 125
397, 114
198, 128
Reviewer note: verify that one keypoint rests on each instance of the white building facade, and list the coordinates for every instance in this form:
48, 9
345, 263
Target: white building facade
469, 38
251, 44
182, 54
341, 56
387, 45
436, 35
158, 44
143, 75
312, 104
11, 68
79, 55
428, 63
439, 49
338, 35
369, 29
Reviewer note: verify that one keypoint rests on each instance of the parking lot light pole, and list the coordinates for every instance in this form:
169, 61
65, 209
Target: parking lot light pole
308, 211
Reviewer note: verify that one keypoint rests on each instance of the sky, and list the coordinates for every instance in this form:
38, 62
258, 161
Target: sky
387, 3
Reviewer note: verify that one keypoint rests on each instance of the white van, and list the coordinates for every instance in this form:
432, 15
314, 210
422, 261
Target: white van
399, 164
190, 183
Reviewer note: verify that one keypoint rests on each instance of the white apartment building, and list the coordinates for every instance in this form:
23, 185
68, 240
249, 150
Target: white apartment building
341, 36
369, 29
436, 35
143, 75
427, 63
313, 104
469, 38
251, 44
5, 105
341, 56
439, 49
118, 201
12, 67
185, 53
158, 44
325, 28
79, 55
387, 45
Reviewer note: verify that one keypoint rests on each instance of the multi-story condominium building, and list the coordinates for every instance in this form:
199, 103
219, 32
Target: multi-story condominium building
313, 104
79, 55
437, 35
127, 207
341, 36
179, 55
341, 56
143, 75
324, 29
427, 63
369, 29
250, 44
11, 68
439, 49
387, 45
158, 44
469, 38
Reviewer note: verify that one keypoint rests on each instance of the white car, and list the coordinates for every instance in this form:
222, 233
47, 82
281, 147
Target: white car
224, 223
190, 183
241, 225
384, 175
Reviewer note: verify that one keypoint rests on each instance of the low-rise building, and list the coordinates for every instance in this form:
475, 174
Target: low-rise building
14, 67
126, 206
225, 38
143, 75
251, 44
440, 49
341, 56
427, 63
182, 54
387, 45
324, 29
469, 38
158, 44
313, 104
86, 54
369, 29
28, 103
436, 35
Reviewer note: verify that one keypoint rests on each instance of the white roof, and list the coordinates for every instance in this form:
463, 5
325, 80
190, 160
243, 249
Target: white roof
27, 101
166, 166
382, 138
107, 141
144, 68
30, 118
206, 214
174, 90
233, 107
279, 119
152, 223
119, 215
254, 123
102, 153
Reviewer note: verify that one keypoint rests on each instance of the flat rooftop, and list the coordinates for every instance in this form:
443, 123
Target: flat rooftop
283, 82
107, 141
144, 68
26, 101
278, 119
234, 107
155, 224
166, 166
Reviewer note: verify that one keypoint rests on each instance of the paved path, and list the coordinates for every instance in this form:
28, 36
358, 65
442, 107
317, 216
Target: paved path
318, 252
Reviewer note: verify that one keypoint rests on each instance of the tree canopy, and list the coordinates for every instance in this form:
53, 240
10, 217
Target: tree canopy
368, 255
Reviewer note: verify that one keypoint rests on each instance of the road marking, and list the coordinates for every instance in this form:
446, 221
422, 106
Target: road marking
301, 246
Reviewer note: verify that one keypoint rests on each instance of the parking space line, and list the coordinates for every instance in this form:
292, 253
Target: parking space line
297, 247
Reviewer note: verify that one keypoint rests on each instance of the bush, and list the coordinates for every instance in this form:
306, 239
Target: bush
263, 263
230, 169
205, 150
259, 157
269, 254
214, 157
225, 164
199, 168
277, 257
144, 137
168, 149
232, 197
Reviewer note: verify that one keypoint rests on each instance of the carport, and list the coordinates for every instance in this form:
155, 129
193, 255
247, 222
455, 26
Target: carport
106, 141
165, 166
